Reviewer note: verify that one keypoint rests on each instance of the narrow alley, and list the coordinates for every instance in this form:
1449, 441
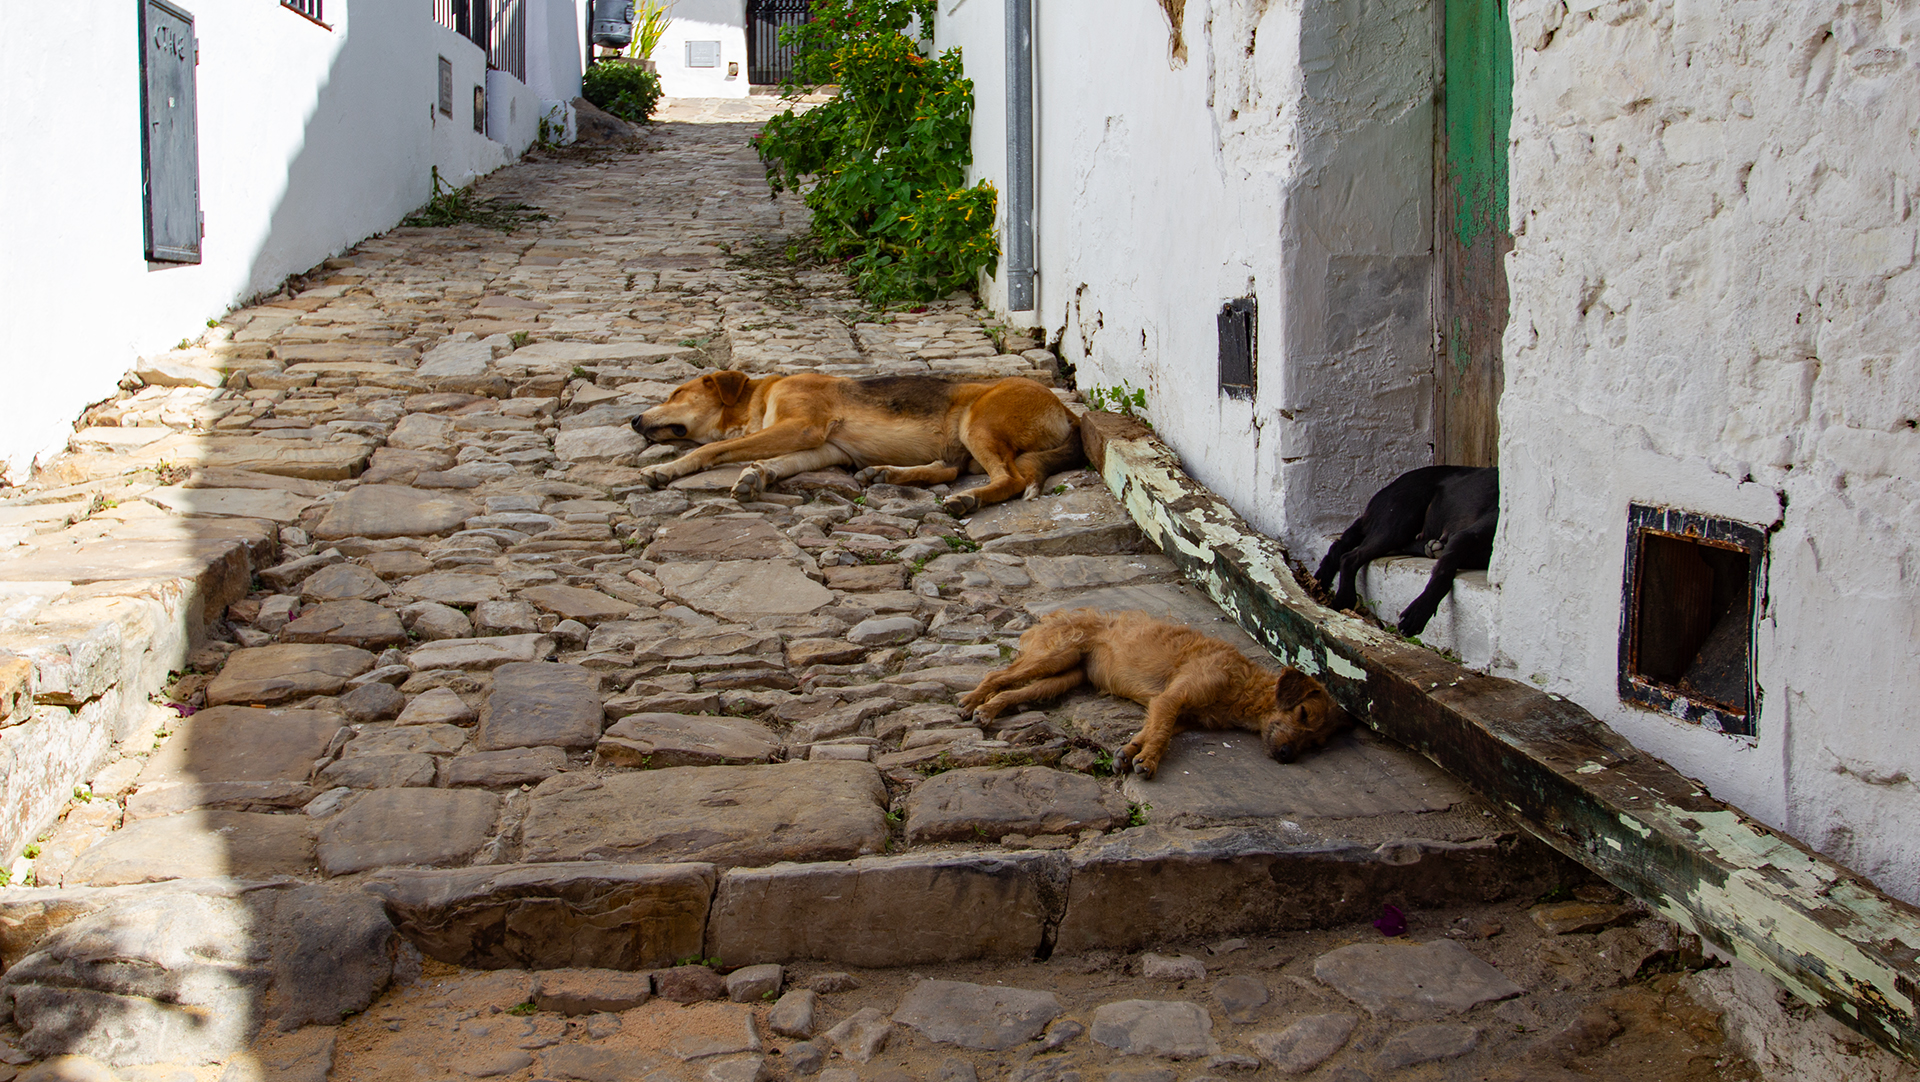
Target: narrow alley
495, 762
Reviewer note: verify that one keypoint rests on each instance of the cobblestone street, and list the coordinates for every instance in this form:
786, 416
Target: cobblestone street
491, 734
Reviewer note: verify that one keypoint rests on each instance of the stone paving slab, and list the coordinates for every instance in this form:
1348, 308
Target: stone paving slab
388, 827
912, 909
596, 914
268, 675
244, 845
1217, 774
238, 743
727, 815
988, 803
540, 705
664, 740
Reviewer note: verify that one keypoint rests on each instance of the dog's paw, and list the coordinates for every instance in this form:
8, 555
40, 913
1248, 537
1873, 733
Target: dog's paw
653, 476
1413, 621
1126, 760
960, 504
873, 475
751, 483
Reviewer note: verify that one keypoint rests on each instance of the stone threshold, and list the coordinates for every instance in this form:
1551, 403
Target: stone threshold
1135, 889
1761, 896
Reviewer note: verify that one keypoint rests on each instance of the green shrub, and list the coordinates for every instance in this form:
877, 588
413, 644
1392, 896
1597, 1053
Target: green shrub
628, 91
884, 164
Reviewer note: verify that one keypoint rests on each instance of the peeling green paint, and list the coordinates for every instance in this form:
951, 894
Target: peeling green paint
1340, 665
1479, 103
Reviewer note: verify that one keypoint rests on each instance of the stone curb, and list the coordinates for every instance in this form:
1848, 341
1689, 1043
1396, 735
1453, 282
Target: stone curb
1761, 896
1147, 886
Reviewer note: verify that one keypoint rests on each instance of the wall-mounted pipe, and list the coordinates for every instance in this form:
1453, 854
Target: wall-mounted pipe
1020, 200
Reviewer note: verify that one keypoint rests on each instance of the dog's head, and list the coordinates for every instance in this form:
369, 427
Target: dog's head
697, 410
1304, 716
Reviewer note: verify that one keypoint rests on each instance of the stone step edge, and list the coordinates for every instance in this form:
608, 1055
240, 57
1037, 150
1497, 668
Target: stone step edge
1139, 888
85, 688
1762, 896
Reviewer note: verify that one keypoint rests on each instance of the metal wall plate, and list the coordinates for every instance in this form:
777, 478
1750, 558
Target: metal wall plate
169, 134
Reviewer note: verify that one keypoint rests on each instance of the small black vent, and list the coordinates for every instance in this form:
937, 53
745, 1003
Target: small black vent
1692, 589
1237, 345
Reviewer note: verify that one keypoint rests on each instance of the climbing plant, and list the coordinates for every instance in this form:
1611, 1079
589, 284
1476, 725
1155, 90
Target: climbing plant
883, 165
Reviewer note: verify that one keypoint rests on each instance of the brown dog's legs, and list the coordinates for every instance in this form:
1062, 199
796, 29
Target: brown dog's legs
757, 475
933, 473
1043, 688
1050, 648
1188, 689
999, 458
1030, 666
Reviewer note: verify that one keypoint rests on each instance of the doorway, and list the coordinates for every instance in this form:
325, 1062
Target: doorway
769, 61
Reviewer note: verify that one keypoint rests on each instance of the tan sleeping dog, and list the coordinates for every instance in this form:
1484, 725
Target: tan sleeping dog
903, 430
1182, 677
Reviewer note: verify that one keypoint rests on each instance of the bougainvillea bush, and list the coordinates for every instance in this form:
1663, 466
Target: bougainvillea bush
883, 166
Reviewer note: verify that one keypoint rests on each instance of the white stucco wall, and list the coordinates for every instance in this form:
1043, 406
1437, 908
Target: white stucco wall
556, 50
513, 110
310, 139
724, 21
1715, 307
1288, 157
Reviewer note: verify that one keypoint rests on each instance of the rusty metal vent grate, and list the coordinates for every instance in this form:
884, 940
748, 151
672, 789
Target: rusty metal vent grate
1690, 602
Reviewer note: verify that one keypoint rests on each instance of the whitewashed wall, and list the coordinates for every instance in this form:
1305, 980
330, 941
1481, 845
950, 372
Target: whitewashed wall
1287, 155
556, 51
724, 21
310, 140
1715, 307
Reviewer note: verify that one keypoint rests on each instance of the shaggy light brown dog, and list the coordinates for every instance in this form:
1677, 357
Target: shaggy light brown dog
903, 430
1182, 677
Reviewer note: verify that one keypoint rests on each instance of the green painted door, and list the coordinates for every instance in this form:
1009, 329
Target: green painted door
1471, 236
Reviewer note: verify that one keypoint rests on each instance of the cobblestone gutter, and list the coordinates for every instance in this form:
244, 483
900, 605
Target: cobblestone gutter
1763, 897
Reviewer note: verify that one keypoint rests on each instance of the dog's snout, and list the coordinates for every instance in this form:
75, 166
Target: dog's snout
656, 431
1284, 753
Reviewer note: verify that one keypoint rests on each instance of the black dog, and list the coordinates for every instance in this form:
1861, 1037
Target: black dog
1446, 512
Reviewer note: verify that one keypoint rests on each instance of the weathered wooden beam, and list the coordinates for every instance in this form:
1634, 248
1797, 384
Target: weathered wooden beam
1759, 895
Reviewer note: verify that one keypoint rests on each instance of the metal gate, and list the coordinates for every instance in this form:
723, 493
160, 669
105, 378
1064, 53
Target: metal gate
498, 26
769, 61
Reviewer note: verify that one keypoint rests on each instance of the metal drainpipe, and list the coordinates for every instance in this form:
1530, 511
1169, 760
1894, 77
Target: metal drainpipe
1020, 270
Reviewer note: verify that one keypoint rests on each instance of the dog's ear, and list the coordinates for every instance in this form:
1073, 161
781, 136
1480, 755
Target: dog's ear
729, 386
1318, 708
1296, 688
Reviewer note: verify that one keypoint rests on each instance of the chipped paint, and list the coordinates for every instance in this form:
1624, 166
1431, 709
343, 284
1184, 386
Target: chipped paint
1342, 666
1761, 896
